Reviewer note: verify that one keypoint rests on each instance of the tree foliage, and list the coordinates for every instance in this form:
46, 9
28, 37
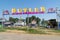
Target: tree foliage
30, 19
53, 23
13, 19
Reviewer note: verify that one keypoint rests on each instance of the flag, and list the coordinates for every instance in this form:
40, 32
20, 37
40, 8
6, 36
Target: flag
6, 12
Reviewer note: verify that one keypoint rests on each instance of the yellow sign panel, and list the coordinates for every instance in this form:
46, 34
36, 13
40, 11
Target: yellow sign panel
42, 9
30, 9
36, 10
13, 10
25, 9
19, 10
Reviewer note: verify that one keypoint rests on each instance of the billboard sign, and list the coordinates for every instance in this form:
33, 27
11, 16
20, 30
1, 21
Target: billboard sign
40, 10
28, 10
5, 12
51, 10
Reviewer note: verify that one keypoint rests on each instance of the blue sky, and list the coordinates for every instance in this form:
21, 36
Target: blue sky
9, 4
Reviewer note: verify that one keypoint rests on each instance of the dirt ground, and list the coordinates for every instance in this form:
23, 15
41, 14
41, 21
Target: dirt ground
22, 36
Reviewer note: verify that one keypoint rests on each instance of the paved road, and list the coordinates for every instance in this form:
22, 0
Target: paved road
18, 36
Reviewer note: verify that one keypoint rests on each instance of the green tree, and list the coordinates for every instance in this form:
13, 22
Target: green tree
38, 21
33, 18
13, 19
53, 23
16, 19
42, 22
28, 20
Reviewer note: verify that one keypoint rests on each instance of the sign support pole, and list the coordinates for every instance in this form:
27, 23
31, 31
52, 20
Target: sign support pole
28, 22
57, 18
2, 21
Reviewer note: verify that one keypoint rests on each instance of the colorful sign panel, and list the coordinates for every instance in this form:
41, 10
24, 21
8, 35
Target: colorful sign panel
5, 12
13, 10
28, 10
51, 10
40, 10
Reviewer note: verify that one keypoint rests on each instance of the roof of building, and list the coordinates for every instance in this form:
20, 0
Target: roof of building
2, 19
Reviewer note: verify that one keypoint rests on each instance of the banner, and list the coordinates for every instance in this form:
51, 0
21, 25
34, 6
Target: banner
5, 12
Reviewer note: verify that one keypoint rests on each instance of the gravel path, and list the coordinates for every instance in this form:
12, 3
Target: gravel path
18, 36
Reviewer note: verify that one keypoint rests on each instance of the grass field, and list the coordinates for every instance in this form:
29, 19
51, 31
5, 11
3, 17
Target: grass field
38, 30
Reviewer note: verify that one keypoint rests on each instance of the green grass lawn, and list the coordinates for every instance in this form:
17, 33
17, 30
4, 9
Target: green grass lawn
31, 30
2, 29
0, 26
34, 31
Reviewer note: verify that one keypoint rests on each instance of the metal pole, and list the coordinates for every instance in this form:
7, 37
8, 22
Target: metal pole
57, 17
2, 20
28, 22
28, 19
